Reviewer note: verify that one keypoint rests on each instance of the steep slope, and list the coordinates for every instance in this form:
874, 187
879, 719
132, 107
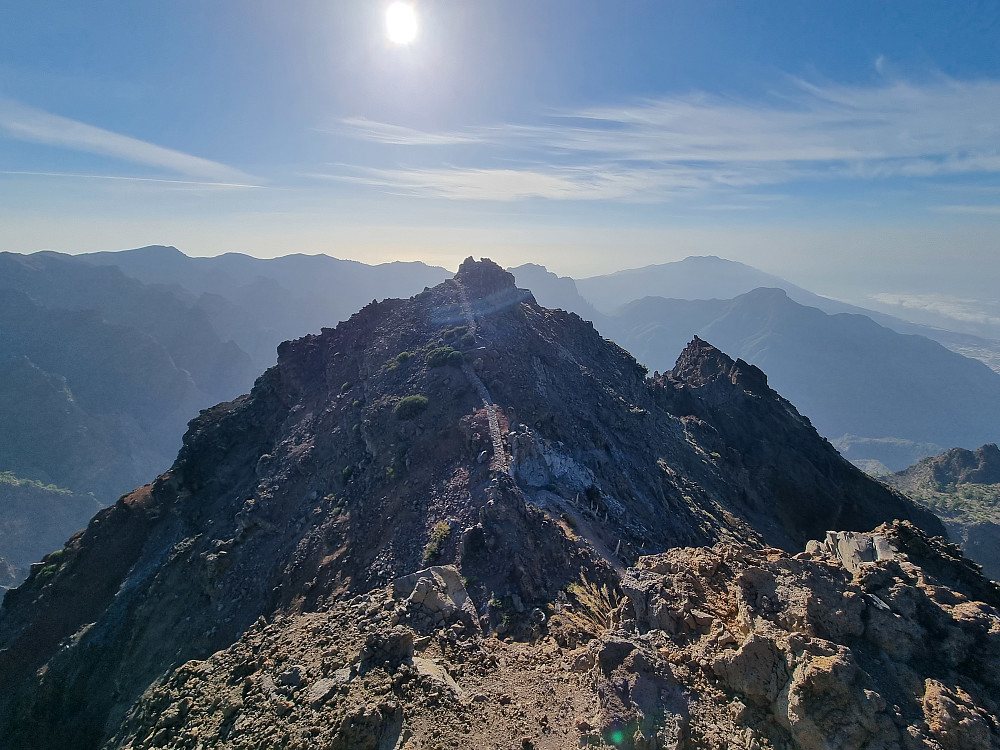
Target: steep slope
849, 374
963, 488
219, 369
75, 378
36, 519
466, 425
99, 375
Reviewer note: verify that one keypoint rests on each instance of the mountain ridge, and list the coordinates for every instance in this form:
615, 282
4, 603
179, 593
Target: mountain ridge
330, 478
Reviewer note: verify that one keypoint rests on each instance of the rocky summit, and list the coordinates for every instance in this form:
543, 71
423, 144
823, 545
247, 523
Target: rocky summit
463, 520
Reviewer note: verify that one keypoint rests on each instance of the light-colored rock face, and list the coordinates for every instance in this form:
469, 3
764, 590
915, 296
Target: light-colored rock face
439, 593
712, 648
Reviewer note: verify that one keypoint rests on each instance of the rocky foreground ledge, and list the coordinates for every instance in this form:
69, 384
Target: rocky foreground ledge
882, 640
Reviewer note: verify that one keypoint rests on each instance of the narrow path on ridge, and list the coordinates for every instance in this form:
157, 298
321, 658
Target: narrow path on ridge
499, 460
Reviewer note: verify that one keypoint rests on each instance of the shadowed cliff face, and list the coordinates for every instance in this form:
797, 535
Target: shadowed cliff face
466, 425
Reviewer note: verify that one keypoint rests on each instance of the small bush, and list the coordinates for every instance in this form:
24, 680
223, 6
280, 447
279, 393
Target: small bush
357, 403
346, 474
455, 359
439, 357
410, 407
403, 356
439, 535
346, 386
570, 521
453, 333
468, 340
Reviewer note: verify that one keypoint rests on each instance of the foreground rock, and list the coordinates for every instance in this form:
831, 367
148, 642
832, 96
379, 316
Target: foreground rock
712, 647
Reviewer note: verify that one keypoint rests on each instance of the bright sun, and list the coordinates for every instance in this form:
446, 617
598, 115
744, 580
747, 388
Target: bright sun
401, 23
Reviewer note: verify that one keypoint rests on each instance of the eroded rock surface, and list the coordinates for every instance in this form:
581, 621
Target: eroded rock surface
714, 647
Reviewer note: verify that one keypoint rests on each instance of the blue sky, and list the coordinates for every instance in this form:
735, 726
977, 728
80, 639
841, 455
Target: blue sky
853, 147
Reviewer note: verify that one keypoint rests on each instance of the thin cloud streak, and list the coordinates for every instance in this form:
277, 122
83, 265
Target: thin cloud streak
973, 210
696, 142
966, 310
382, 132
124, 178
24, 123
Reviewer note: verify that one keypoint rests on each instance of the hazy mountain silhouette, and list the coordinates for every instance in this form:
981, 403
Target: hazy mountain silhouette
258, 303
711, 277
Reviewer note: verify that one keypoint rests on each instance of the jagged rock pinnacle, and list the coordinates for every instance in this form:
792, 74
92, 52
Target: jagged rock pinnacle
701, 363
484, 277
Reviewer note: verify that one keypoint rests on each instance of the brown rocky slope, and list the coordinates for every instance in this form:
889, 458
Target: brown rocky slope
466, 425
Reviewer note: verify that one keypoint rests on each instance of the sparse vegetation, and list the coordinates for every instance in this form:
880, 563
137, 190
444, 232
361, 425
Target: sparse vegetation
410, 406
346, 386
454, 333
7, 477
442, 355
439, 535
346, 474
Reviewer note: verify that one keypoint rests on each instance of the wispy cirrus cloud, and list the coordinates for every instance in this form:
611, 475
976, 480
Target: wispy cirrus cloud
382, 132
656, 148
24, 123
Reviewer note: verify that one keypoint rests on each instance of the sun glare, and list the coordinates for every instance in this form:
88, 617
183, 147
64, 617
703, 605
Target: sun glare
401, 23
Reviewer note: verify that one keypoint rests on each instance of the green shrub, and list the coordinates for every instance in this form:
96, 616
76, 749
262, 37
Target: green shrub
453, 333
439, 357
403, 356
468, 340
346, 474
439, 535
411, 406
455, 359
346, 386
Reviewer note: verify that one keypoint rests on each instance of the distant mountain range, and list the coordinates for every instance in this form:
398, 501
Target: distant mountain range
258, 303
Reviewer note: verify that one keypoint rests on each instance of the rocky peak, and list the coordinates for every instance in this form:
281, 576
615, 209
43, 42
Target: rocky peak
483, 278
701, 363
961, 466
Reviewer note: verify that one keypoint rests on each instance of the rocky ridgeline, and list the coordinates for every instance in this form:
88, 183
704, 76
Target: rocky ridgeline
275, 552
712, 647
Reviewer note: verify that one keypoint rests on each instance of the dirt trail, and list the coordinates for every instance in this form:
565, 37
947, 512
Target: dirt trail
499, 460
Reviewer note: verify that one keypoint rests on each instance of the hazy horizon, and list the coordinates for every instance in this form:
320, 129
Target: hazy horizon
848, 148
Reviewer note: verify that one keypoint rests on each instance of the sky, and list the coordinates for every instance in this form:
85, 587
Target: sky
850, 147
